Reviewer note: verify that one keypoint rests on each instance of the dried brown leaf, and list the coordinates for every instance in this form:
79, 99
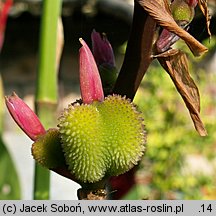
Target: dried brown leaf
161, 14
177, 67
203, 4
167, 53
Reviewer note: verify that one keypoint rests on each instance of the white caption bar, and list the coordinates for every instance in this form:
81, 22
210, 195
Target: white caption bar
109, 207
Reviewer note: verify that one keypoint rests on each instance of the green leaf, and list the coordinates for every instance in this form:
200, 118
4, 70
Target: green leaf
9, 181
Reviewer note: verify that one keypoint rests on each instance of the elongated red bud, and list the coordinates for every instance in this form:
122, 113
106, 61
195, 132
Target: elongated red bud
102, 49
90, 81
26, 119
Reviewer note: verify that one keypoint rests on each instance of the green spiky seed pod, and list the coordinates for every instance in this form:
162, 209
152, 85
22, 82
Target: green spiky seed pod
82, 142
102, 139
182, 11
125, 135
47, 150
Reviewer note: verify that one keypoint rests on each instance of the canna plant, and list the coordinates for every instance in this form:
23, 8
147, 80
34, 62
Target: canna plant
103, 134
88, 144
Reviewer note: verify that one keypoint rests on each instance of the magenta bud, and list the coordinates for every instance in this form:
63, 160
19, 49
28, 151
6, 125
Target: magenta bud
24, 116
102, 49
165, 40
90, 81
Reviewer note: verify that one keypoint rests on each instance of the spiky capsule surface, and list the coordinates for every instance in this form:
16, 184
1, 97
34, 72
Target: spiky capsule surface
182, 11
124, 133
102, 138
82, 142
47, 150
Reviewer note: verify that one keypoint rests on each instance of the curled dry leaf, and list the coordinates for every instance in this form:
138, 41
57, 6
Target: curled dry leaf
169, 52
160, 12
204, 8
177, 67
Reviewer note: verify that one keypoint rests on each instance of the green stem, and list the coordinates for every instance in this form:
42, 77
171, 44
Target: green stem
47, 86
47, 76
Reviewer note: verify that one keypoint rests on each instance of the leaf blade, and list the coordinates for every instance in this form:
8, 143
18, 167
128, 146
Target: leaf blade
9, 183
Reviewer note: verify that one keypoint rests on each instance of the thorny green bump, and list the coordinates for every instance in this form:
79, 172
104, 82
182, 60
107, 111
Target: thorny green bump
102, 139
47, 150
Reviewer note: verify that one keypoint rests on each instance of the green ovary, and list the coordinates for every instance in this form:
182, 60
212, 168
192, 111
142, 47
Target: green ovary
47, 150
103, 138
182, 12
124, 136
81, 142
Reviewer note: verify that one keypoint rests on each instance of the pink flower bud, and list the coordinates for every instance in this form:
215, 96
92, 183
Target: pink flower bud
24, 116
102, 49
90, 82
165, 40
